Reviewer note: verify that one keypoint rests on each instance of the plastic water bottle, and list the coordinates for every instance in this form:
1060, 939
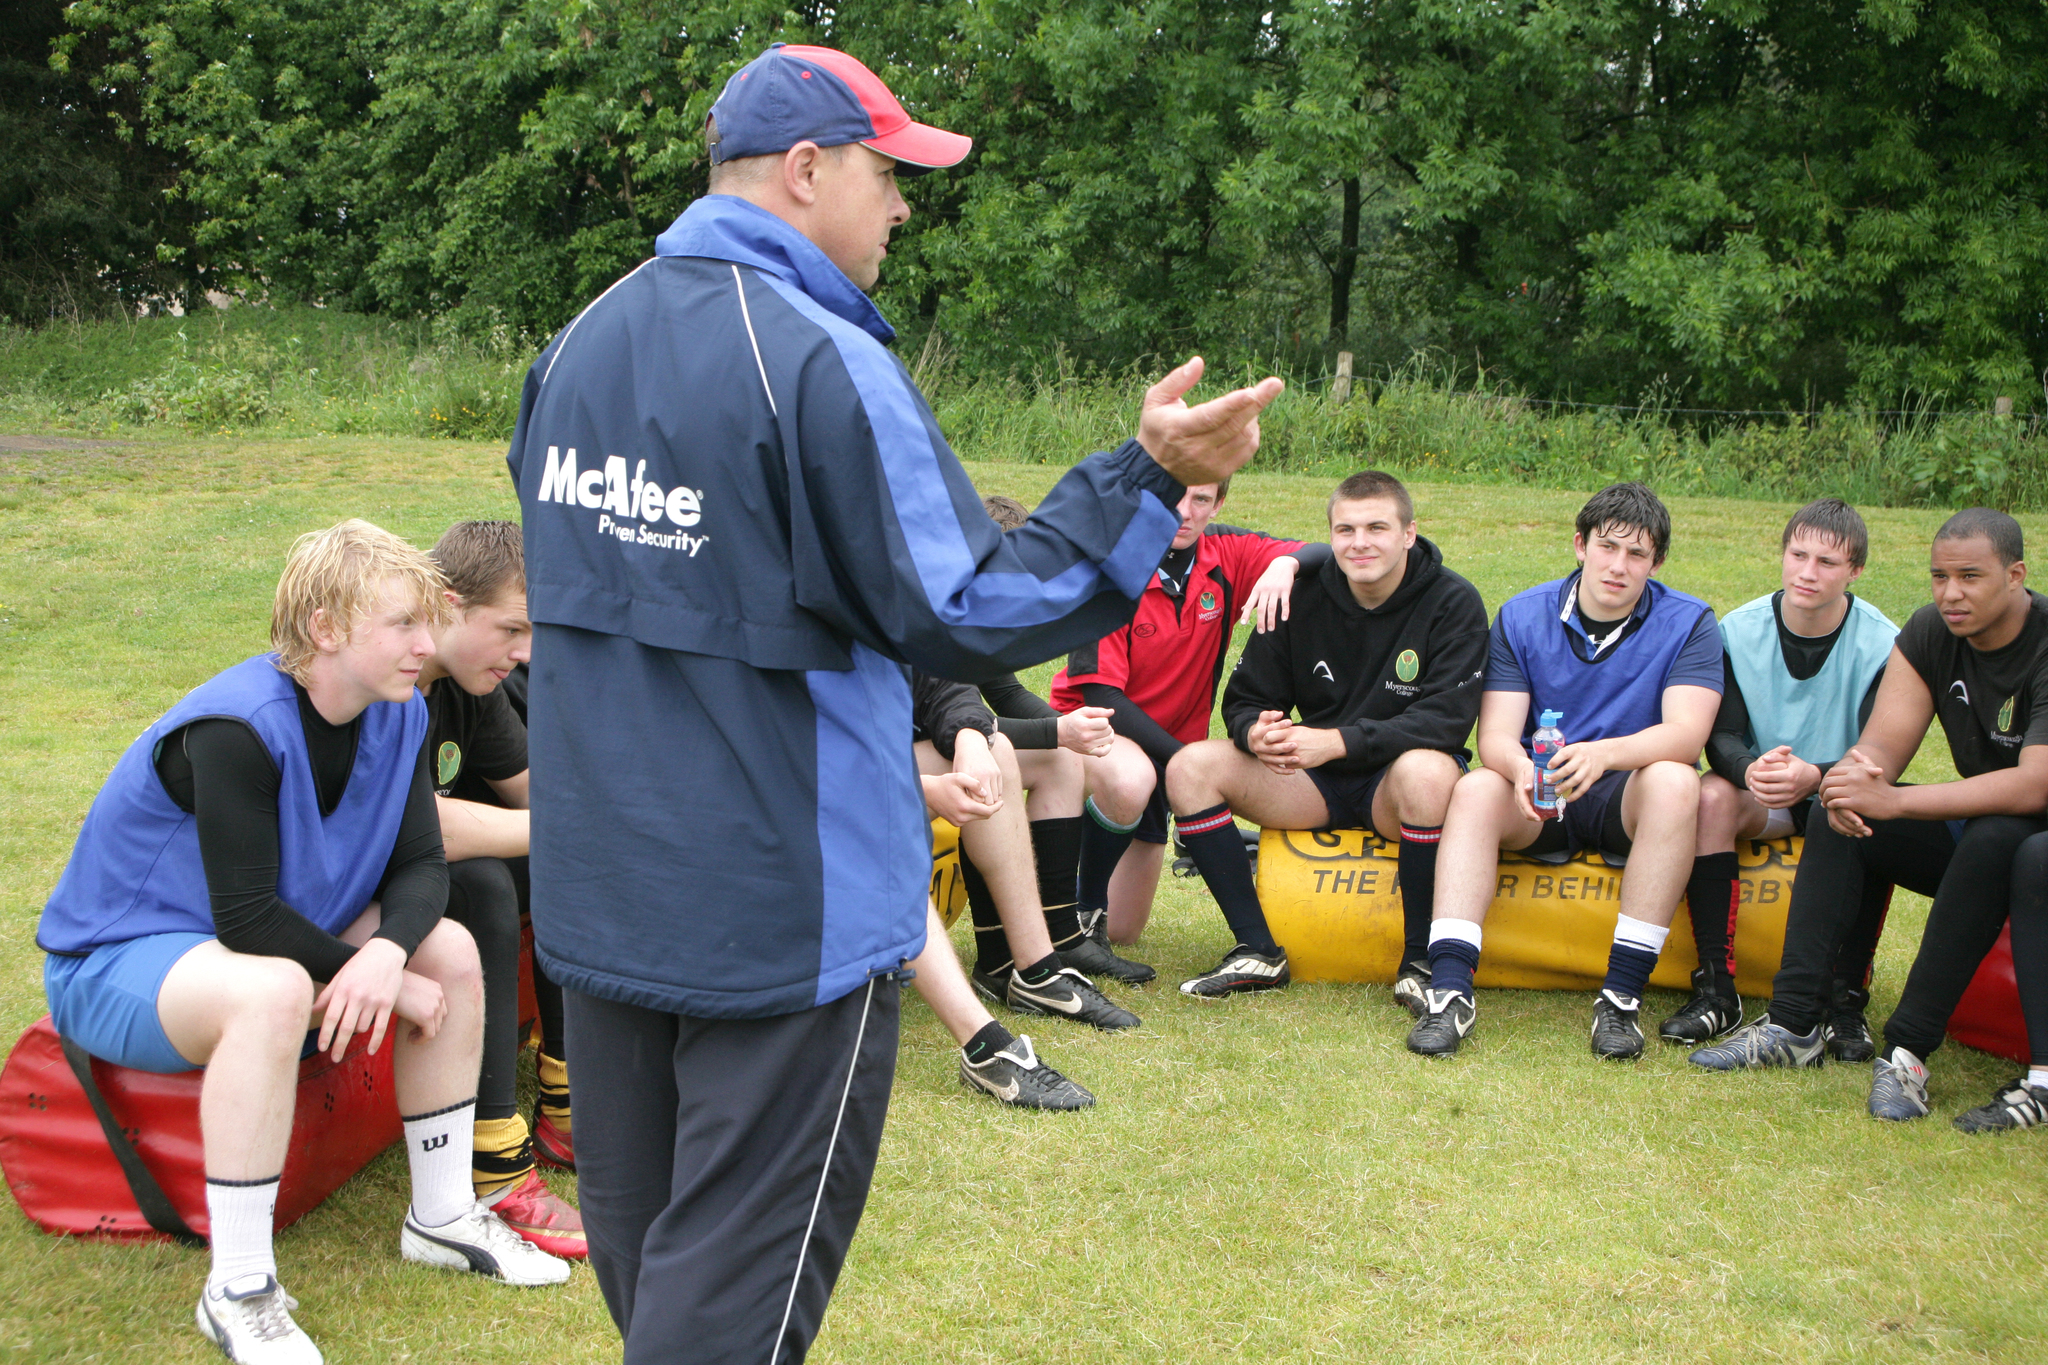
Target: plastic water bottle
1543, 745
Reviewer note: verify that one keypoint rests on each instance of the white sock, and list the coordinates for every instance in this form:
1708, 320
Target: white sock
1464, 930
437, 1148
1638, 934
2037, 1076
241, 1215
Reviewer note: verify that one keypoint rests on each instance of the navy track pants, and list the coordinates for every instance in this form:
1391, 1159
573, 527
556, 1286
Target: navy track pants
722, 1167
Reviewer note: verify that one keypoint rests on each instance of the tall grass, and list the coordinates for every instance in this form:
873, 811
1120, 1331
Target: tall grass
287, 371
297, 371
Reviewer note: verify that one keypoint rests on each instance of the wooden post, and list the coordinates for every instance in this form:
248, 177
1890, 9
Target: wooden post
1340, 387
2001, 406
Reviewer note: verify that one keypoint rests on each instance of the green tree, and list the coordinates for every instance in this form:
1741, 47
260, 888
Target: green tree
82, 193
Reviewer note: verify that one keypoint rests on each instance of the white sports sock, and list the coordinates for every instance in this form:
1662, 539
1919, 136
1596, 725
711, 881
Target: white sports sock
437, 1148
1464, 930
2037, 1076
241, 1215
1639, 934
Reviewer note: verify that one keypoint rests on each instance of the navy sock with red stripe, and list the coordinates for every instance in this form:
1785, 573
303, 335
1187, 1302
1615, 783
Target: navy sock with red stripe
1218, 850
1453, 956
1710, 898
1418, 889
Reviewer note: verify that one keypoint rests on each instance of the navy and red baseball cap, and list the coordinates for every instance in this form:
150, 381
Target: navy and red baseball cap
797, 93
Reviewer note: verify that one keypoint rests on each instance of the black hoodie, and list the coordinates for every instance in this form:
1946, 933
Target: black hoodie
1404, 675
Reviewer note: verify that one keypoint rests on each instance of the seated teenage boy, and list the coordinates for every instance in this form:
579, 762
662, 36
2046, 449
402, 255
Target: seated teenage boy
1802, 668
1380, 652
553, 1133
1635, 668
1977, 659
992, 1060
1008, 879
266, 854
1157, 677
473, 733
1112, 771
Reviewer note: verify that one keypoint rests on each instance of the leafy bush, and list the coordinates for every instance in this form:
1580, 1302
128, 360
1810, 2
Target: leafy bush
292, 370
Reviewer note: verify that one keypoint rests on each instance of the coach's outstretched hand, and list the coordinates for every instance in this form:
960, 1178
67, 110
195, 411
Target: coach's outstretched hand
1207, 443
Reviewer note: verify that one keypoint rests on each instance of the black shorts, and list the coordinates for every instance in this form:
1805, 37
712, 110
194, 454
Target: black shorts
1593, 821
1151, 827
1348, 795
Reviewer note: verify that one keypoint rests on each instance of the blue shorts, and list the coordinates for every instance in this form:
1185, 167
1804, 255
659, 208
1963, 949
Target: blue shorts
1593, 821
106, 1001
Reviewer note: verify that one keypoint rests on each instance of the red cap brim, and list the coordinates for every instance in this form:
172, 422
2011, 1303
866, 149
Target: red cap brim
922, 146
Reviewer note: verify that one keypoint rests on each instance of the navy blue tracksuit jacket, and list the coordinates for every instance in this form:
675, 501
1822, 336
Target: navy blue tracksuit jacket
740, 519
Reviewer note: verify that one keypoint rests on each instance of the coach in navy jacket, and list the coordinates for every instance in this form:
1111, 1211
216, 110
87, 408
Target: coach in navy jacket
741, 520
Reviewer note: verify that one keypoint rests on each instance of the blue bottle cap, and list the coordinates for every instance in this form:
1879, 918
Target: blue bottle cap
1549, 720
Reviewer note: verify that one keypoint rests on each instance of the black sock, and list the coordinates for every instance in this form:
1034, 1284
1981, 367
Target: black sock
1040, 971
992, 1039
1213, 842
1056, 848
1710, 899
991, 946
1101, 850
1418, 889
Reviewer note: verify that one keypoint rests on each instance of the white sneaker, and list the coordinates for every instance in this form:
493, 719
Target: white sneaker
250, 1319
480, 1241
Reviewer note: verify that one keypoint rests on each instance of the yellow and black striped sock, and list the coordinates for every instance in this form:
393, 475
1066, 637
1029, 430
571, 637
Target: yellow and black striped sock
502, 1155
553, 1075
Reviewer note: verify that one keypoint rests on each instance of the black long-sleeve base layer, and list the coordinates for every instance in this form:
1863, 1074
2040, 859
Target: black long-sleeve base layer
221, 772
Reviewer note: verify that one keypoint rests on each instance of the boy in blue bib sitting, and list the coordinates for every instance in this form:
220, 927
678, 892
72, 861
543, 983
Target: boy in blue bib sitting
264, 860
1635, 669
1803, 665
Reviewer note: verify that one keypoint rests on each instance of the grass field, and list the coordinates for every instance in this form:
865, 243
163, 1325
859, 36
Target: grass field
1268, 1179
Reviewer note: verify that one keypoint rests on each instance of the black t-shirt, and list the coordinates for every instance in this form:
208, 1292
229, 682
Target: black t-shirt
1806, 655
1991, 703
471, 741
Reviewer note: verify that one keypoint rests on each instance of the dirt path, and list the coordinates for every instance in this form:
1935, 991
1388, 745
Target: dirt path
23, 445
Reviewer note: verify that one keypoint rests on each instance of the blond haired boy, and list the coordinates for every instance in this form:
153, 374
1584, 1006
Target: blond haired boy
263, 861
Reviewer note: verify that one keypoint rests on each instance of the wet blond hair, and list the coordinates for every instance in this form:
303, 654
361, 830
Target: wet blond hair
341, 571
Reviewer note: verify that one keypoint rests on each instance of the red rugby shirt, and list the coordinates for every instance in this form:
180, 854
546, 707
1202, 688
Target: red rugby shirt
1169, 659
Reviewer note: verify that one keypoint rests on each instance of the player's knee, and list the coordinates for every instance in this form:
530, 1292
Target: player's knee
273, 994
483, 898
1191, 776
1670, 794
448, 955
1720, 804
1481, 797
1122, 789
1423, 781
2030, 865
